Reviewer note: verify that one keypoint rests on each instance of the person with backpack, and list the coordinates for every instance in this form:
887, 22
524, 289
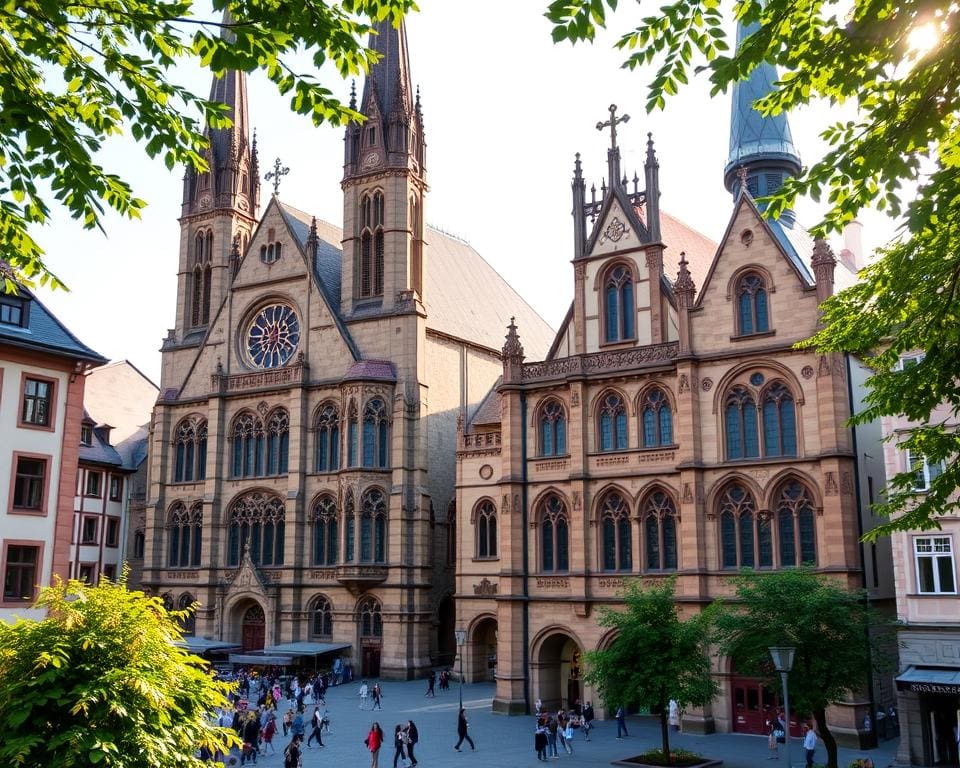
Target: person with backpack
399, 744
292, 755
413, 736
316, 722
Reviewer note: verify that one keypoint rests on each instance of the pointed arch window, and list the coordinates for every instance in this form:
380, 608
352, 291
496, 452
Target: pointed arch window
248, 446
619, 306
554, 535
752, 311
452, 533
659, 520
795, 525
278, 442
617, 534
375, 434
745, 533
185, 532
256, 524
327, 426
612, 423
742, 438
371, 245
553, 429
373, 527
657, 417
486, 527
779, 421
324, 518
190, 451
416, 247
201, 277
349, 530
370, 618
321, 618
353, 435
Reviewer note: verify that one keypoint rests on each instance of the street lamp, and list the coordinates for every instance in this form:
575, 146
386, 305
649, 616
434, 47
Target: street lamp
783, 662
461, 641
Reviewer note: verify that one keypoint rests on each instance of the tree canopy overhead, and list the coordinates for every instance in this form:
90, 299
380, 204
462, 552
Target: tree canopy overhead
75, 74
895, 61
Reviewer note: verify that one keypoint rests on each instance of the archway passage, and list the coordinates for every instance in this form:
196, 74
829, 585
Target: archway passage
446, 634
253, 629
483, 651
560, 666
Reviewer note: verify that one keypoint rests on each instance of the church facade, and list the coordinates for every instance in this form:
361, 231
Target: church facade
672, 430
302, 448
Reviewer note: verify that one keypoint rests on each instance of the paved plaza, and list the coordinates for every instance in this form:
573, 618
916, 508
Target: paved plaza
504, 742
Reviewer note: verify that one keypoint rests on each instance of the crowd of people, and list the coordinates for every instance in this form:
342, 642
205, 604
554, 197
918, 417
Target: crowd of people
556, 731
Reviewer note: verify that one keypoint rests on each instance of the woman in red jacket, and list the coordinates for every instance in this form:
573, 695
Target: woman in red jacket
374, 741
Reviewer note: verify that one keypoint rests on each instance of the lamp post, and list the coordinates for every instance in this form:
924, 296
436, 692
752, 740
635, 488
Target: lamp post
461, 641
783, 662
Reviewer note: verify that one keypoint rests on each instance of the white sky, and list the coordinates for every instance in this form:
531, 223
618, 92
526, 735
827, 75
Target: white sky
505, 110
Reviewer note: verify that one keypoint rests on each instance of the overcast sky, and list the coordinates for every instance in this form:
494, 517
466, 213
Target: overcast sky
505, 110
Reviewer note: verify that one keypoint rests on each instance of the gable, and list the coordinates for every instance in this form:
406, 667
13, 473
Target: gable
616, 229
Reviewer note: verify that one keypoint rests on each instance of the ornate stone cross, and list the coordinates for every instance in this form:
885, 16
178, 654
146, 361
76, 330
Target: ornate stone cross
612, 124
277, 174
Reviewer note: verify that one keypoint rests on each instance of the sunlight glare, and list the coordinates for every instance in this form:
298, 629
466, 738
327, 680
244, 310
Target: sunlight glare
923, 39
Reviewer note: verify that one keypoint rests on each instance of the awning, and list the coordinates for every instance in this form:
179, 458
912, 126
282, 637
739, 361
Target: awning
305, 648
930, 680
258, 660
202, 645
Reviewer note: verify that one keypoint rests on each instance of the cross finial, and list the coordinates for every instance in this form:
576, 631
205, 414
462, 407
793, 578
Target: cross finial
612, 124
278, 172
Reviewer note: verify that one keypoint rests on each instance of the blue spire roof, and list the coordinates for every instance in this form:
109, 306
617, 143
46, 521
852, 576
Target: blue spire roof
757, 143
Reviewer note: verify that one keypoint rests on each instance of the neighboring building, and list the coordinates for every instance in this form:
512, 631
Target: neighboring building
928, 609
303, 445
42, 368
672, 429
133, 451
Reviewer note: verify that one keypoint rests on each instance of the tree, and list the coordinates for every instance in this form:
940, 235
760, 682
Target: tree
74, 74
655, 655
895, 61
101, 682
829, 626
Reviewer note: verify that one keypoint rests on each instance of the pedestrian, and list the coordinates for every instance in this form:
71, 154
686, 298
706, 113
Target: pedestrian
287, 721
621, 723
538, 706
251, 739
809, 743
552, 727
297, 728
268, 731
399, 742
674, 715
777, 737
568, 736
462, 726
413, 736
374, 741
363, 693
316, 722
540, 740
291, 755
587, 720
377, 693
431, 682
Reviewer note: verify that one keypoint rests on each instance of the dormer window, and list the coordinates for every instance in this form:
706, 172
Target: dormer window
12, 311
86, 434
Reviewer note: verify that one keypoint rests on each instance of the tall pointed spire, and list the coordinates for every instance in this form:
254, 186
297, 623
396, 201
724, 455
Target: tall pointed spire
763, 146
389, 79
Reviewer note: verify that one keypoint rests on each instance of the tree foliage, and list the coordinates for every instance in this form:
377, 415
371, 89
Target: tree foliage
895, 61
100, 682
655, 655
829, 626
75, 74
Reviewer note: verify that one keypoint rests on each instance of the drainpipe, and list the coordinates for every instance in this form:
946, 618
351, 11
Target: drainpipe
524, 543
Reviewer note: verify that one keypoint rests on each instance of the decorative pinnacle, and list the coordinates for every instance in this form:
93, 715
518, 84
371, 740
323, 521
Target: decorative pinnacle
822, 254
277, 174
612, 124
742, 177
416, 102
353, 94
651, 155
512, 349
235, 247
577, 170
684, 285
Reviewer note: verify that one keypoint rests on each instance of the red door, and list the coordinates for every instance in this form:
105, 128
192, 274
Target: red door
755, 708
254, 629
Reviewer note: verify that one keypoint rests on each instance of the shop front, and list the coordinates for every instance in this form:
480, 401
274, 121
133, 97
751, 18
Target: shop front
932, 698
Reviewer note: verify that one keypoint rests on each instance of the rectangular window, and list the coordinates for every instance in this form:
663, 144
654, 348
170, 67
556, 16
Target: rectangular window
93, 484
37, 402
86, 435
116, 487
113, 532
924, 471
88, 530
909, 361
934, 561
29, 484
21, 571
11, 311
110, 572
87, 571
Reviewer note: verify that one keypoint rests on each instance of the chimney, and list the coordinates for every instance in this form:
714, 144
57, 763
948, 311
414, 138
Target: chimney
852, 254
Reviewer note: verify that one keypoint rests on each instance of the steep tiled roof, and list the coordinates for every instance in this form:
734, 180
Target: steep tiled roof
382, 370
488, 412
45, 333
680, 237
133, 450
100, 451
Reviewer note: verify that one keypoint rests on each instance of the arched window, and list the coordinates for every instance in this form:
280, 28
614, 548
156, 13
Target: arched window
248, 446
657, 418
375, 444
321, 618
256, 523
371, 620
188, 621
619, 310
349, 530
659, 520
486, 522
278, 442
752, 305
616, 533
371, 245
352, 434
795, 525
613, 423
327, 458
201, 278
416, 247
554, 535
373, 527
190, 451
779, 421
185, 529
553, 429
452, 533
745, 534
742, 439
325, 534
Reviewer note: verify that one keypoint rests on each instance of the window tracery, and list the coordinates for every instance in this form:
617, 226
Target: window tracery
185, 532
617, 535
256, 524
554, 535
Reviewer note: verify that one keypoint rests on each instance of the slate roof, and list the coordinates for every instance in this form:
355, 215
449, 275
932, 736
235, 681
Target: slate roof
45, 333
99, 451
367, 370
681, 237
488, 412
133, 450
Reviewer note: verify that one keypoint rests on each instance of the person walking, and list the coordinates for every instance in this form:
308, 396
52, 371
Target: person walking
251, 739
568, 736
431, 682
587, 720
809, 743
399, 742
297, 728
462, 726
316, 722
413, 736
552, 727
377, 693
363, 693
287, 721
268, 731
621, 723
540, 739
374, 741
777, 737
291, 755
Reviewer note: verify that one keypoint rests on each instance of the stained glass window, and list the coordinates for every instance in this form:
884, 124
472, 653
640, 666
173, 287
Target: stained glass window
273, 336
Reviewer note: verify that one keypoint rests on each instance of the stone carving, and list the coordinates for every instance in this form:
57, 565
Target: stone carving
182, 575
760, 475
262, 408
707, 384
654, 457
506, 503
576, 500
486, 471
599, 362
612, 461
615, 230
846, 483
575, 399
553, 582
546, 466
746, 237
611, 582
485, 587
684, 383
323, 574
807, 372
292, 374
516, 502
831, 484
687, 494
481, 443
824, 368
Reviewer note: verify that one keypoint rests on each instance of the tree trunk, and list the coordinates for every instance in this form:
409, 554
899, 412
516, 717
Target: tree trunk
665, 734
820, 715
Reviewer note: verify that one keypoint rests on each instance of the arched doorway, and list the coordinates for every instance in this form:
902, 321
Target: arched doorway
446, 637
370, 626
253, 629
559, 667
483, 651
754, 705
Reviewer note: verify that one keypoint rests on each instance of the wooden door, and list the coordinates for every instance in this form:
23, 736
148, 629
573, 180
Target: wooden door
254, 629
371, 661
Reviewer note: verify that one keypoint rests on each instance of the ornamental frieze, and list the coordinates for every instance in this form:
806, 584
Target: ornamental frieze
553, 582
183, 575
293, 374
601, 362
